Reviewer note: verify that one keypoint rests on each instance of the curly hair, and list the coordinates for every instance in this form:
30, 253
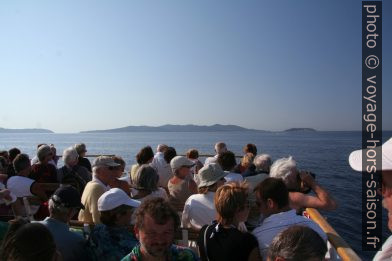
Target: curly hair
158, 209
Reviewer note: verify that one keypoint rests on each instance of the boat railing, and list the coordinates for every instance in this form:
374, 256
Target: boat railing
344, 251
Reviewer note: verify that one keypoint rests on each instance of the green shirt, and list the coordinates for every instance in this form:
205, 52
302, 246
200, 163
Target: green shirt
176, 253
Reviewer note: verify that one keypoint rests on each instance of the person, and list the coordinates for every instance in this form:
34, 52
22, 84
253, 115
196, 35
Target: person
246, 165
181, 186
103, 173
263, 163
273, 200
113, 239
250, 148
156, 224
20, 243
199, 209
72, 173
355, 161
82, 160
146, 184
117, 182
22, 186
222, 240
144, 156
193, 155
220, 147
227, 161
297, 243
55, 158
12, 154
43, 172
286, 169
63, 205
161, 166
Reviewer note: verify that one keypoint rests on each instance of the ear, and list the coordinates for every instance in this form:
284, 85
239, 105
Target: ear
136, 231
270, 203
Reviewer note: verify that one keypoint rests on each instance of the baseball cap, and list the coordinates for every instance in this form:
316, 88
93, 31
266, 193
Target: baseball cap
67, 196
115, 197
180, 161
355, 158
105, 161
210, 174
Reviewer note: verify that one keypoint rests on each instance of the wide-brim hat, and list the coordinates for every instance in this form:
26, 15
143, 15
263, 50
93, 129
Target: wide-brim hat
210, 174
355, 158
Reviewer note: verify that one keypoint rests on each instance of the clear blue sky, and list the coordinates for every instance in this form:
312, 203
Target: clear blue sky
70, 66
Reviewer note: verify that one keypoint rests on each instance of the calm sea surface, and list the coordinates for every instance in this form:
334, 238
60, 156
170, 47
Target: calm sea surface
324, 153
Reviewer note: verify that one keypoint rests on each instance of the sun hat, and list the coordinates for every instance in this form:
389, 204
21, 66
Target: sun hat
115, 197
105, 161
180, 161
355, 158
67, 196
210, 174
80, 148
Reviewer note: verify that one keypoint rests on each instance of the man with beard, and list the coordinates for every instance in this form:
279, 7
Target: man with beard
156, 224
355, 161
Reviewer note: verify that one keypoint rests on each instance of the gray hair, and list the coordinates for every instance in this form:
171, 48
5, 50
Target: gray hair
146, 178
220, 147
70, 154
263, 162
162, 147
282, 168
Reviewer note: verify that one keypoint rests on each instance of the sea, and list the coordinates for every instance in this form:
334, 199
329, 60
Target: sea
323, 153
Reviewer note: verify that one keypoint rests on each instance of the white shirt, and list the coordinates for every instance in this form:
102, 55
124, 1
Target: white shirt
199, 210
276, 223
386, 252
231, 176
162, 168
210, 160
20, 186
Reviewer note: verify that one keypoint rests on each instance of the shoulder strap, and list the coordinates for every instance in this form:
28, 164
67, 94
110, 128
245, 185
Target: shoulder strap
205, 242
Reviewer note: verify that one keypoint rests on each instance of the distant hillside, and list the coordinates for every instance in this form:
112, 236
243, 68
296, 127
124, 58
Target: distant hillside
2, 130
175, 128
300, 129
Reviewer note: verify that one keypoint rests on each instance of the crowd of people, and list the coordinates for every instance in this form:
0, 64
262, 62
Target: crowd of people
246, 210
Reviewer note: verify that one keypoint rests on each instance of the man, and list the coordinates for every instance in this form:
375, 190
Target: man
297, 243
161, 166
103, 174
156, 224
220, 147
63, 205
286, 169
272, 197
355, 160
227, 162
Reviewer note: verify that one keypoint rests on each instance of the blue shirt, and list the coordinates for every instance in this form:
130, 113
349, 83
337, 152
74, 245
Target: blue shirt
71, 245
112, 242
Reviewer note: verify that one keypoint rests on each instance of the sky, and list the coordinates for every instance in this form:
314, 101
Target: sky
72, 66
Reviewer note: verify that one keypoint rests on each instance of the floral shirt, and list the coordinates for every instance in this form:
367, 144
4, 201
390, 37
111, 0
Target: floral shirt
177, 253
112, 243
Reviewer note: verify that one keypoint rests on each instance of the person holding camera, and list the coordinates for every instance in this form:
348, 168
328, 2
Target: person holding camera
299, 183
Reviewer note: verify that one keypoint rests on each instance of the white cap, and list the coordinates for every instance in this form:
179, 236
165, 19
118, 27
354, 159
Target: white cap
180, 161
355, 158
115, 197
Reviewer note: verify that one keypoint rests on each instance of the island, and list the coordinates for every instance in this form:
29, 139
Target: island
176, 128
300, 129
3, 130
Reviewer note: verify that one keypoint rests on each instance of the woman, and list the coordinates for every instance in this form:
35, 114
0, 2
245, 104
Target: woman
193, 155
144, 156
117, 182
222, 240
146, 184
113, 239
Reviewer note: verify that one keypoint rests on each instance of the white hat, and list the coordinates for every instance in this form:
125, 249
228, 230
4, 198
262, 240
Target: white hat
180, 161
115, 197
355, 158
210, 174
